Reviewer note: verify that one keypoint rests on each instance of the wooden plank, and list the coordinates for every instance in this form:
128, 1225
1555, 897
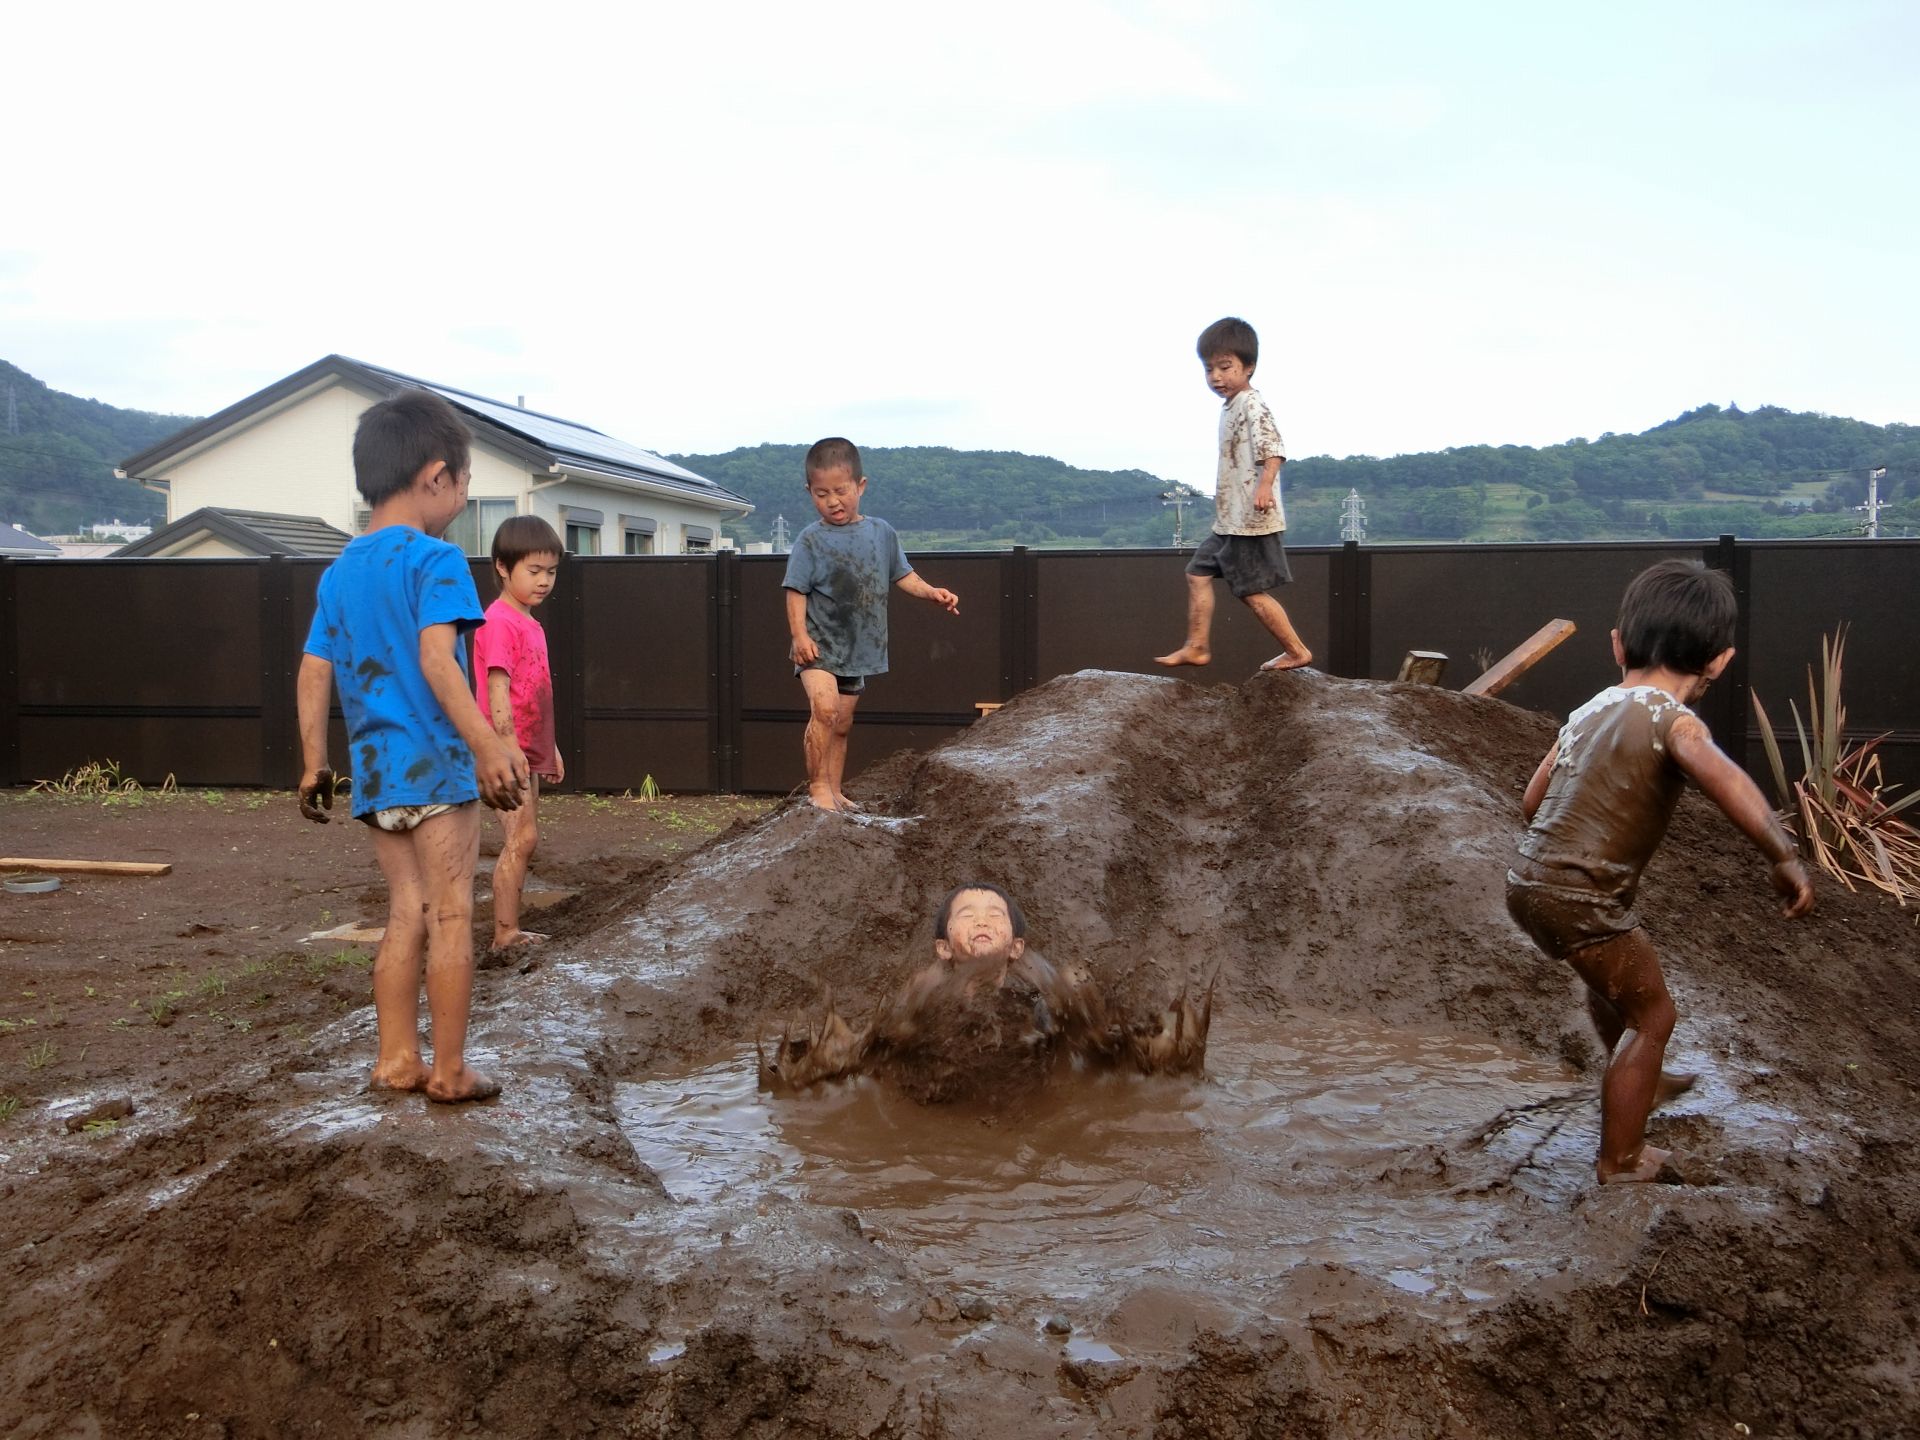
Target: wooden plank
1522, 658
86, 867
1423, 667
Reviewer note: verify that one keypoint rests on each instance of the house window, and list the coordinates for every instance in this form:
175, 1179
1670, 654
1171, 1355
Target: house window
636, 535
699, 539
472, 529
583, 529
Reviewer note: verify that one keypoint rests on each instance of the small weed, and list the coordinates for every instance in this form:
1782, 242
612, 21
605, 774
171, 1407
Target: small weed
159, 1007
90, 992
6, 1025
600, 803
40, 1056
9, 1104
120, 1023
258, 801
99, 1128
649, 789
100, 778
241, 1025
213, 985
214, 797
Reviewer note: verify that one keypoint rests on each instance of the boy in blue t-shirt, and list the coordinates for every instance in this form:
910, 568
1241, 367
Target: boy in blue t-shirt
389, 623
837, 581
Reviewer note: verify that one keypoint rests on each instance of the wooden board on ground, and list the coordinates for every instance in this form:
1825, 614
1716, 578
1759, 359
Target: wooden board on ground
1522, 658
1423, 667
87, 867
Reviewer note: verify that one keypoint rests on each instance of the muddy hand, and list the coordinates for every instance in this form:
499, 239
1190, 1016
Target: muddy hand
1790, 882
316, 794
827, 1049
1179, 1043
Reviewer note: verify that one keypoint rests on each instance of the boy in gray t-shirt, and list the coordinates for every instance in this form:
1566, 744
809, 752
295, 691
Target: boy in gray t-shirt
837, 581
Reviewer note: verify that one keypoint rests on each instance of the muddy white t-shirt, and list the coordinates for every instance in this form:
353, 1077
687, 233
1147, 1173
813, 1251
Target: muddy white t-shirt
1248, 439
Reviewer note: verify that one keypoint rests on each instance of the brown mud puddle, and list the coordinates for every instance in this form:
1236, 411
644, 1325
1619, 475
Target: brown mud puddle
1374, 1216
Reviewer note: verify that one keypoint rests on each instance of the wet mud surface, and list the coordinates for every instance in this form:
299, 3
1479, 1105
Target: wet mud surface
1373, 1215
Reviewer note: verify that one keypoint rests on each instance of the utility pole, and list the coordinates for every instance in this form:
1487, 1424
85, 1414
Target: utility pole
1178, 500
1353, 517
1874, 504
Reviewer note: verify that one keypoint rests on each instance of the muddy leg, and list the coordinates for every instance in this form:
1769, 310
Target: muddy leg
1273, 615
446, 848
396, 967
1198, 649
521, 835
829, 722
1608, 1025
1625, 972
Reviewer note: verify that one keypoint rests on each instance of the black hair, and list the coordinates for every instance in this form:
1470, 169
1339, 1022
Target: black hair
522, 535
400, 436
946, 906
1231, 336
831, 452
1677, 613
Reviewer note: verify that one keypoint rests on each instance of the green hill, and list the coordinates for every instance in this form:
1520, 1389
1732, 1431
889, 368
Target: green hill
57, 454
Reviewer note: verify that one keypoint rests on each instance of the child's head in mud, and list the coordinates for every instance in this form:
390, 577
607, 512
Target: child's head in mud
979, 924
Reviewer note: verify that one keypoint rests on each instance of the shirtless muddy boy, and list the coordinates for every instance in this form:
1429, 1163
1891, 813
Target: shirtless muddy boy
1597, 809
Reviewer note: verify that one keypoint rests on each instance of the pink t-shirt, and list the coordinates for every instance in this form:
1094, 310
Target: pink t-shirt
513, 641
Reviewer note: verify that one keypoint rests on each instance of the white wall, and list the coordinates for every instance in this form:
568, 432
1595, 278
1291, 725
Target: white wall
612, 501
293, 461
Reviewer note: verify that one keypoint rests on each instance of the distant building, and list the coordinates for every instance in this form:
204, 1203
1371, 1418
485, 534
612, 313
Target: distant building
211, 533
117, 529
285, 453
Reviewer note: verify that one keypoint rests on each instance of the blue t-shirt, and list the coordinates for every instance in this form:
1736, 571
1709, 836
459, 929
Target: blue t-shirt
845, 571
374, 600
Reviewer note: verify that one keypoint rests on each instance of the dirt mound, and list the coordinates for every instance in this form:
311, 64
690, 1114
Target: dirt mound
598, 1253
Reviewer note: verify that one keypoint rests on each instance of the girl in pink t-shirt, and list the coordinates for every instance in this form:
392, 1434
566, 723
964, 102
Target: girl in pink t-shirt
514, 686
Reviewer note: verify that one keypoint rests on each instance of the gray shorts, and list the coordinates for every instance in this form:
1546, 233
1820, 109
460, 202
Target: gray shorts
1250, 564
848, 684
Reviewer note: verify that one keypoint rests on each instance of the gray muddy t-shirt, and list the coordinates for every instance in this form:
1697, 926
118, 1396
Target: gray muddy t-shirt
845, 571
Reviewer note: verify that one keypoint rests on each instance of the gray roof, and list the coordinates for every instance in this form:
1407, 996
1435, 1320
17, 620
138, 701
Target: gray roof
18, 543
258, 532
545, 440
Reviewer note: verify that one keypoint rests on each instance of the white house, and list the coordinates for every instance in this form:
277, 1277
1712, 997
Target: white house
287, 451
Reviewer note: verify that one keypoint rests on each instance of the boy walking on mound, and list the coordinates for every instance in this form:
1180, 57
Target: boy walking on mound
389, 620
1246, 547
836, 583
1598, 808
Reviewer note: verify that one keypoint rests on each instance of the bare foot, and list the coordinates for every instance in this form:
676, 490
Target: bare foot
822, 798
1647, 1167
1186, 655
519, 937
1673, 1084
467, 1084
395, 1077
1287, 660
849, 807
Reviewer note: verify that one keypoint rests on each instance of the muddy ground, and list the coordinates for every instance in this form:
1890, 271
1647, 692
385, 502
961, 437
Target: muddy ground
1374, 1217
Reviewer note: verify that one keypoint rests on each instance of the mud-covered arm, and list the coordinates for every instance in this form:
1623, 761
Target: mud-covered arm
911, 584
1537, 786
801, 646
313, 694
1733, 790
500, 773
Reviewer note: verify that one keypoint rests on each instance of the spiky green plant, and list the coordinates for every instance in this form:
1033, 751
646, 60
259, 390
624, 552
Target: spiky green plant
1839, 808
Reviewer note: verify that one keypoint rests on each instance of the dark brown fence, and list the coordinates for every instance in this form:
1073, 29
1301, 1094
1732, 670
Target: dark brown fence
675, 666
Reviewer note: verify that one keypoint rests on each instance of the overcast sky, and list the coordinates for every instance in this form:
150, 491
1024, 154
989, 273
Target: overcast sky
994, 225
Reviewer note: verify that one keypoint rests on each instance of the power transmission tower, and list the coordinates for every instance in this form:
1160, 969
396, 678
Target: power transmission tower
13, 412
1178, 500
781, 543
1353, 517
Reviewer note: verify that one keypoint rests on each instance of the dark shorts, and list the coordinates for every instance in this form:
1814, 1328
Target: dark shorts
1250, 564
849, 684
1562, 919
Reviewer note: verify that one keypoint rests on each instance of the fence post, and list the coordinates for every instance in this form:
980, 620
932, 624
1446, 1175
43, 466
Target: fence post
1350, 611
1728, 719
1019, 621
278, 723
729, 641
9, 672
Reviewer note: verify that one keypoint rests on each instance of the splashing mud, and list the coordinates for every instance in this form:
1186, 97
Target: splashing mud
1372, 1216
